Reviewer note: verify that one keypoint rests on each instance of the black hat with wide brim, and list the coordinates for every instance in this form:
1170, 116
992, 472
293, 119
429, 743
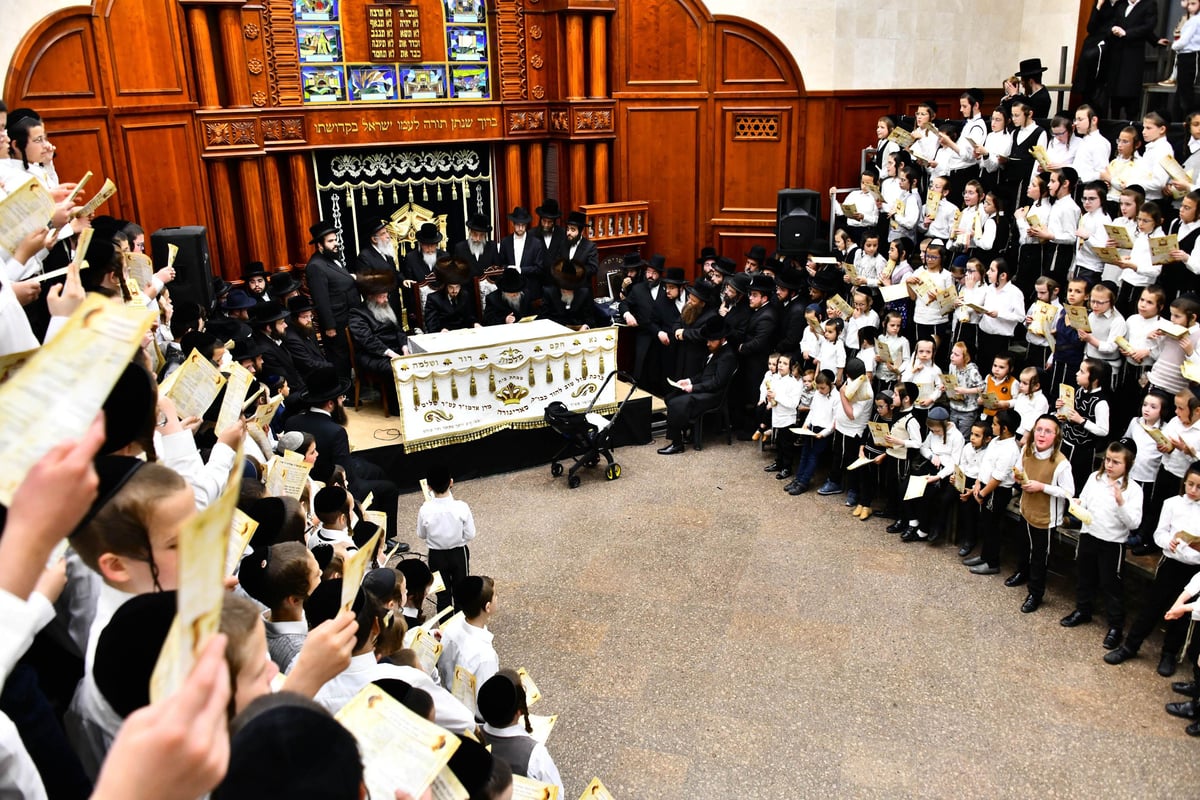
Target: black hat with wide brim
1030, 67
568, 274
320, 230
451, 270
520, 216
428, 233
323, 385
549, 209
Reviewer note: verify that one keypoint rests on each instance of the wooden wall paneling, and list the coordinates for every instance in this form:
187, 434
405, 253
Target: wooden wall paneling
253, 21
664, 169
223, 239
166, 186
820, 147
578, 189
513, 174
233, 45
575, 57
600, 173
83, 144
661, 45
746, 61
534, 163
143, 48
753, 157
598, 57
277, 224
734, 241
855, 125
203, 64
55, 65
304, 198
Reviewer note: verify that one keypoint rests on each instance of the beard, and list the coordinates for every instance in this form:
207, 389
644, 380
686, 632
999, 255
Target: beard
476, 249
512, 301
307, 331
338, 413
573, 240
383, 314
429, 258
567, 295
691, 312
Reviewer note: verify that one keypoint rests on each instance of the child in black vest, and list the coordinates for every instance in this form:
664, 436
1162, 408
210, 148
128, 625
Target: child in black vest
502, 704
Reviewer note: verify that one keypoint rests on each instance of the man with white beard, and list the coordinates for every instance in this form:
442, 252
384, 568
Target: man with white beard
420, 262
569, 301
376, 331
511, 303
478, 251
376, 254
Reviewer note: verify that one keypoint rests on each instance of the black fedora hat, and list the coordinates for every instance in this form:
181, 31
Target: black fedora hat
568, 274
300, 303
674, 276
725, 266
238, 299
511, 281
320, 230
714, 328
657, 261
707, 254
578, 219
227, 329
757, 253
1030, 67
451, 270
246, 349
632, 261
549, 209
324, 384
762, 283
266, 313
254, 269
739, 282
520, 216
373, 227
428, 233
478, 222
283, 283
705, 291
792, 279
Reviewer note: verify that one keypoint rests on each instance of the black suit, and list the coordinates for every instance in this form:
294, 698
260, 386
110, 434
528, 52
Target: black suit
442, 313
792, 326
414, 265
533, 260
305, 350
693, 348
1090, 72
582, 310
641, 303
667, 320
372, 339
333, 449
556, 250
488, 259
753, 354
334, 293
684, 407
586, 255
496, 310
277, 360
371, 260
1126, 55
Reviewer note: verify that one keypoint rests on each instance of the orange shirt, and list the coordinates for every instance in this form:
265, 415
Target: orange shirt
1004, 391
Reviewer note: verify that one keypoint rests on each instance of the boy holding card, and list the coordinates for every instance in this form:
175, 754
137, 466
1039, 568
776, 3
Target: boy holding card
1046, 487
446, 525
502, 703
470, 645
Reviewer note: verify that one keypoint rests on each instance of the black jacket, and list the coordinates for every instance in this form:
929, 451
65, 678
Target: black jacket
333, 445
442, 313
372, 339
333, 291
305, 351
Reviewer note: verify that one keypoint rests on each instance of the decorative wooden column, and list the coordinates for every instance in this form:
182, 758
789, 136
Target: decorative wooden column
575, 51
579, 173
254, 211
598, 57
303, 196
203, 56
277, 232
535, 166
234, 44
227, 227
600, 173
512, 176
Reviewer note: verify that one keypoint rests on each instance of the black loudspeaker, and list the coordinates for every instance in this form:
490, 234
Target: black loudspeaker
797, 220
193, 268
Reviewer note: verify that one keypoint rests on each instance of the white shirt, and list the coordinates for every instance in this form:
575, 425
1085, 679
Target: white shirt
861, 410
944, 453
965, 157
1060, 488
470, 647
1029, 409
820, 412
1092, 156
1001, 456
333, 536
1178, 514
970, 460
1148, 459
864, 203
1009, 304
1064, 219
997, 145
926, 312
448, 711
1154, 175
541, 766
1177, 461
1111, 522
518, 249
445, 523
1063, 154
1092, 224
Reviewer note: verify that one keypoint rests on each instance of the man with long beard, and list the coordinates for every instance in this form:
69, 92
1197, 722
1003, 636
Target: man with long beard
669, 318
569, 301
511, 302
581, 250
269, 323
449, 308
300, 338
703, 298
420, 262
377, 334
325, 419
552, 237
478, 251
333, 291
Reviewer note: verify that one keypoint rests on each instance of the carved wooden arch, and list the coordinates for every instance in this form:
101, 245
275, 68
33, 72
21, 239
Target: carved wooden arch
733, 36
54, 59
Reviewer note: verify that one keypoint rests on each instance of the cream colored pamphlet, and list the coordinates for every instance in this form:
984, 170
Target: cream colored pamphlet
237, 384
858, 463
203, 553
1161, 248
916, 487
1075, 509
428, 650
399, 749
106, 191
355, 567
894, 292
959, 479
526, 789
1120, 235
60, 389
879, 432
27, 209
596, 791
266, 412
139, 267
287, 476
542, 726
194, 386
532, 692
1066, 393
465, 687
438, 585
241, 530
447, 786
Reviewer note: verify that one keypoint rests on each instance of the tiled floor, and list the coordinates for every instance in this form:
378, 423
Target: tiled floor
705, 635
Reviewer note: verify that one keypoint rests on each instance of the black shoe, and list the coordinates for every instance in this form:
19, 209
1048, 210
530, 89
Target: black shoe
1145, 550
973, 561
1193, 729
910, 535
1166, 665
935, 538
783, 474
674, 448
797, 489
1121, 654
897, 526
397, 545
1031, 604
1185, 688
1113, 638
774, 465
966, 549
1076, 617
1018, 578
1186, 710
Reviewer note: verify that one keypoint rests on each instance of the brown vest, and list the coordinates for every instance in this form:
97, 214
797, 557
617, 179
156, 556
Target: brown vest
1035, 506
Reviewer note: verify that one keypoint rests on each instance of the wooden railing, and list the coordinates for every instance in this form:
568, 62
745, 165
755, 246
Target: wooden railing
610, 224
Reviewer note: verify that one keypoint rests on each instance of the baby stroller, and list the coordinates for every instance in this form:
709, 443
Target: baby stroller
588, 434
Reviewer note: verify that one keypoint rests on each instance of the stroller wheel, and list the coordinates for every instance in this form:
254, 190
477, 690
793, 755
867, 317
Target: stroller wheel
573, 481
613, 472
556, 469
